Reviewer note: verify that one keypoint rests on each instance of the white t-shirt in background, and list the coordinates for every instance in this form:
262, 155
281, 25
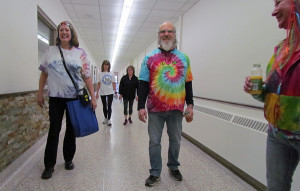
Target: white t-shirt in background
106, 79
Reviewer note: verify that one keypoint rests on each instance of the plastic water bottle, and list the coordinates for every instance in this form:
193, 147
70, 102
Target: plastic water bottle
256, 79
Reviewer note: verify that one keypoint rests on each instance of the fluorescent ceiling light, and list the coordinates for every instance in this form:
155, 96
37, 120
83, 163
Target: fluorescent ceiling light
122, 24
43, 39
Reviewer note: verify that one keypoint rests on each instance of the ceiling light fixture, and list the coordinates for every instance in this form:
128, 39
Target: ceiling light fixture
125, 13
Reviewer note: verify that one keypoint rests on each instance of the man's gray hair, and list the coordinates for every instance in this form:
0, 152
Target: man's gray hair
175, 37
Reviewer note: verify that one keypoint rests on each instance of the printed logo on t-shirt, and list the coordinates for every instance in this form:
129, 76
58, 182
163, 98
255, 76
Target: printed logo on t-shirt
106, 79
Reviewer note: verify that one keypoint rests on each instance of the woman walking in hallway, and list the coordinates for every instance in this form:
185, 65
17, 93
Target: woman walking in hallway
61, 90
281, 95
128, 87
107, 87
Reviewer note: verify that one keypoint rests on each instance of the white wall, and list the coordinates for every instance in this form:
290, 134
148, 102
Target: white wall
18, 47
242, 146
223, 40
19, 44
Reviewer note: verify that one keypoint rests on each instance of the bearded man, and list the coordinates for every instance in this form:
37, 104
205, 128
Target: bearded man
166, 84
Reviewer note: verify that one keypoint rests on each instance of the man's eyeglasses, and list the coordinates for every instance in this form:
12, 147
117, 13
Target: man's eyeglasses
166, 31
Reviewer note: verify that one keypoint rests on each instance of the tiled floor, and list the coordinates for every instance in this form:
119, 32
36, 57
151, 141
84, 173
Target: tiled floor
116, 159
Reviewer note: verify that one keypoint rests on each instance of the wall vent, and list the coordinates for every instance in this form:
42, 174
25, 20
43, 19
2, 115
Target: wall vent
215, 113
232, 118
250, 123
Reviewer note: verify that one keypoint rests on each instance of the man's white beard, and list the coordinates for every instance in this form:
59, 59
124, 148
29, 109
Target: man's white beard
166, 45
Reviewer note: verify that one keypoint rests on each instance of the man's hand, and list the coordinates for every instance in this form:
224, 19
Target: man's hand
143, 115
190, 115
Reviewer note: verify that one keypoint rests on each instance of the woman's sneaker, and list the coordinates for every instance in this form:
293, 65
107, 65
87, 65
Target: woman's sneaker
125, 122
105, 121
152, 181
108, 122
129, 120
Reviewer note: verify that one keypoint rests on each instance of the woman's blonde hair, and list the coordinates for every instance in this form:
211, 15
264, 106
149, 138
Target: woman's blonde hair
74, 38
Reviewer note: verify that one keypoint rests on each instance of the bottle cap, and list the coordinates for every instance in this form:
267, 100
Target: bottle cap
257, 65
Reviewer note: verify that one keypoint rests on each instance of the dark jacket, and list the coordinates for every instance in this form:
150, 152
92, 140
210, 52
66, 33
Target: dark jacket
128, 87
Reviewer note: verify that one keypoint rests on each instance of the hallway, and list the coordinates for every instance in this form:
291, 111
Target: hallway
116, 159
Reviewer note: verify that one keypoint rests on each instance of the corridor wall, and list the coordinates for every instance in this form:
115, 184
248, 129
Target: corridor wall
22, 121
223, 39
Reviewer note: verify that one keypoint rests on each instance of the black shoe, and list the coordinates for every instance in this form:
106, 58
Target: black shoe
69, 165
175, 174
47, 173
125, 122
129, 120
152, 181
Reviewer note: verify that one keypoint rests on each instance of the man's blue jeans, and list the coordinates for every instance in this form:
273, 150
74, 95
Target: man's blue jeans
282, 160
156, 122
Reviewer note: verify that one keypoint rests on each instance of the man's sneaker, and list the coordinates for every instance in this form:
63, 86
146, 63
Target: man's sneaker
108, 122
175, 174
47, 173
105, 121
129, 120
152, 181
125, 122
69, 165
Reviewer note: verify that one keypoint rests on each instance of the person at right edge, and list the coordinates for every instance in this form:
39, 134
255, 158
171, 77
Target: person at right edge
166, 84
281, 97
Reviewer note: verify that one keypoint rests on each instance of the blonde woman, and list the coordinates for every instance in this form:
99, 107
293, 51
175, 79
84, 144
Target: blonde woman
61, 90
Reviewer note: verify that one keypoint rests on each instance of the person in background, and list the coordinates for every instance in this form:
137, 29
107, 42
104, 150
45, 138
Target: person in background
127, 90
281, 97
61, 90
166, 83
107, 87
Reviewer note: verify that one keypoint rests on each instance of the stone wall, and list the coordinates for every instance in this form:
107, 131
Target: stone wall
22, 123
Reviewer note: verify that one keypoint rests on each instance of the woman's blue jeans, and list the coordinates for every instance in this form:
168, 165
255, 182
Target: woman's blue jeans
282, 160
156, 122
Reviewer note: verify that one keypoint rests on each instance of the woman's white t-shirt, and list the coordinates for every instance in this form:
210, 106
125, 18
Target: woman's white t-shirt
106, 79
59, 82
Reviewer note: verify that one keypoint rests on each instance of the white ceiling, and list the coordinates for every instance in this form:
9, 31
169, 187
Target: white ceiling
97, 22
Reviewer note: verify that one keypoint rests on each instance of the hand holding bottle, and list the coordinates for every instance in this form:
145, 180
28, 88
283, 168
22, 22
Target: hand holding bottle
247, 85
256, 80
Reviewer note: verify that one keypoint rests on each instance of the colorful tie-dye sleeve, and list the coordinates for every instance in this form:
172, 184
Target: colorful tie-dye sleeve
189, 76
144, 73
270, 64
86, 72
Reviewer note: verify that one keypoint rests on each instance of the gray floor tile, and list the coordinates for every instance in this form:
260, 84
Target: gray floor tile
116, 159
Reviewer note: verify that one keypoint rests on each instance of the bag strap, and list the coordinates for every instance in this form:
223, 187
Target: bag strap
63, 59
